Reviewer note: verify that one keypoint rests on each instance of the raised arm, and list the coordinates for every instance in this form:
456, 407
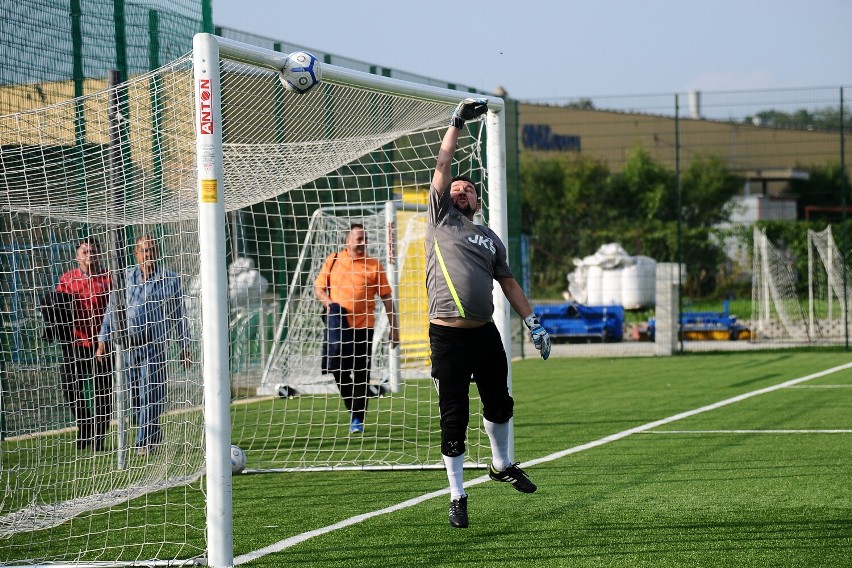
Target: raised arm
468, 109
443, 173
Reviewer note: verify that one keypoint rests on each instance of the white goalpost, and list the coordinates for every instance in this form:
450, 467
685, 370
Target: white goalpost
817, 314
246, 188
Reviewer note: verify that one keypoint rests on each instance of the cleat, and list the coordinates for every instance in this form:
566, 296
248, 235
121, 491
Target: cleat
458, 512
514, 475
356, 427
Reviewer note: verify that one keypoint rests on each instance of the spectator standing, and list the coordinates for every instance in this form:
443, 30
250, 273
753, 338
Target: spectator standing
347, 285
155, 309
88, 287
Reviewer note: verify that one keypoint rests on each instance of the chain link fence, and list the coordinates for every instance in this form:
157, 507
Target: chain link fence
658, 168
687, 178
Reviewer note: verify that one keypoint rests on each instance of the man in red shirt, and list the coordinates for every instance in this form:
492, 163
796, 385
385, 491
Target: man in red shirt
347, 286
89, 285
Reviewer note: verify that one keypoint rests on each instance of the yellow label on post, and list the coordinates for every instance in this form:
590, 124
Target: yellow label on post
209, 191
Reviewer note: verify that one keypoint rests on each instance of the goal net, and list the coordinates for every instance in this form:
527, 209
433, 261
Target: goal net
777, 311
806, 308
828, 288
294, 366
241, 228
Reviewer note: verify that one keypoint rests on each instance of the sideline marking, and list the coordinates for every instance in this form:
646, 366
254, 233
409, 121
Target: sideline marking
749, 432
294, 540
822, 387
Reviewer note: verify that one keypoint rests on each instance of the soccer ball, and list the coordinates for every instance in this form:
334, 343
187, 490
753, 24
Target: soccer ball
301, 72
238, 460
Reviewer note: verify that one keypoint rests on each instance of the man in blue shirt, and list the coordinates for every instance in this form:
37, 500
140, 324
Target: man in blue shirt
154, 305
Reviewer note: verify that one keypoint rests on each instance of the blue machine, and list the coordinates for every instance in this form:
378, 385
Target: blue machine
703, 326
573, 322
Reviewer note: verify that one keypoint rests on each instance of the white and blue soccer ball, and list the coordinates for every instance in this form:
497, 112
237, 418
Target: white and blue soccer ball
238, 460
301, 72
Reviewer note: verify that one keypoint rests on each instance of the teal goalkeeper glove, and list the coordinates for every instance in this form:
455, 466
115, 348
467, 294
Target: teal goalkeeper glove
468, 109
539, 335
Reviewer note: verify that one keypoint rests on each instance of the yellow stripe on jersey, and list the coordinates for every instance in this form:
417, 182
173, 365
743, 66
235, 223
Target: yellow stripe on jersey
447, 278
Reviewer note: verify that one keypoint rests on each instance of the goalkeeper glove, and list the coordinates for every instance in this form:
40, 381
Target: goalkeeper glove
468, 109
539, 335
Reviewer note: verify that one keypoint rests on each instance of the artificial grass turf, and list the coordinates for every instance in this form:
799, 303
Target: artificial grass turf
677, 499
714, 488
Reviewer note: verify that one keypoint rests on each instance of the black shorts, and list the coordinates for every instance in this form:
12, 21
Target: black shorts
461, 356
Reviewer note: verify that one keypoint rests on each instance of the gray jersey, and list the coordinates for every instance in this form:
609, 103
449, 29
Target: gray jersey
462, 261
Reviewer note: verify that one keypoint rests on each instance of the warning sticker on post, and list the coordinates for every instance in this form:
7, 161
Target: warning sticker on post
209, 191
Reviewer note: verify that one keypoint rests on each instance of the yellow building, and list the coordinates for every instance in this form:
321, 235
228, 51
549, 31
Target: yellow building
767, 157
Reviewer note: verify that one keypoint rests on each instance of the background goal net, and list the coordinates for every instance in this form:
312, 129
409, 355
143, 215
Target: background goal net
829, 285
793, 306
297, 170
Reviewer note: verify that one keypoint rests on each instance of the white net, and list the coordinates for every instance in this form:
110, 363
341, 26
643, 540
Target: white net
110, 167
829, 285
121, 164
304, 420
295, 363
777, 312
786, 307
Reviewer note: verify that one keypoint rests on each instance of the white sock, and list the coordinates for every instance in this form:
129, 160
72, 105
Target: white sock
455, 473
498, 435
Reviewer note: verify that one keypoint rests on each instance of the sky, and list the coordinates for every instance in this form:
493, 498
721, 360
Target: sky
552, 49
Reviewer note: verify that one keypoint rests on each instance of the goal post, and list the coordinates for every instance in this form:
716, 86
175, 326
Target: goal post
393, 277
802, 308
388, 165
214, 299
224, 168
207, 49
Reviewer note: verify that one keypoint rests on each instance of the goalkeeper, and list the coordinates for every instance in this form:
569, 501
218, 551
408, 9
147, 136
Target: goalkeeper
462, 262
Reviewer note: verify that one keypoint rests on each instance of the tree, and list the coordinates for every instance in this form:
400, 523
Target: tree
823, 188
582, 104
707, 189
827, 118
646, 189
559, 206
571, 205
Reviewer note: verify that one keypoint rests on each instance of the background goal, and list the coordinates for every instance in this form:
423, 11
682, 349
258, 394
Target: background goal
789, 306
243, 220
828, 288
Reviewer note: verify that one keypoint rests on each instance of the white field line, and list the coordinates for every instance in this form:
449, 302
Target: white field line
749, 432
299, 538
822, 386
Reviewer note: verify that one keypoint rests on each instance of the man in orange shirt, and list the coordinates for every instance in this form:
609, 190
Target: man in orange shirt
347, 286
